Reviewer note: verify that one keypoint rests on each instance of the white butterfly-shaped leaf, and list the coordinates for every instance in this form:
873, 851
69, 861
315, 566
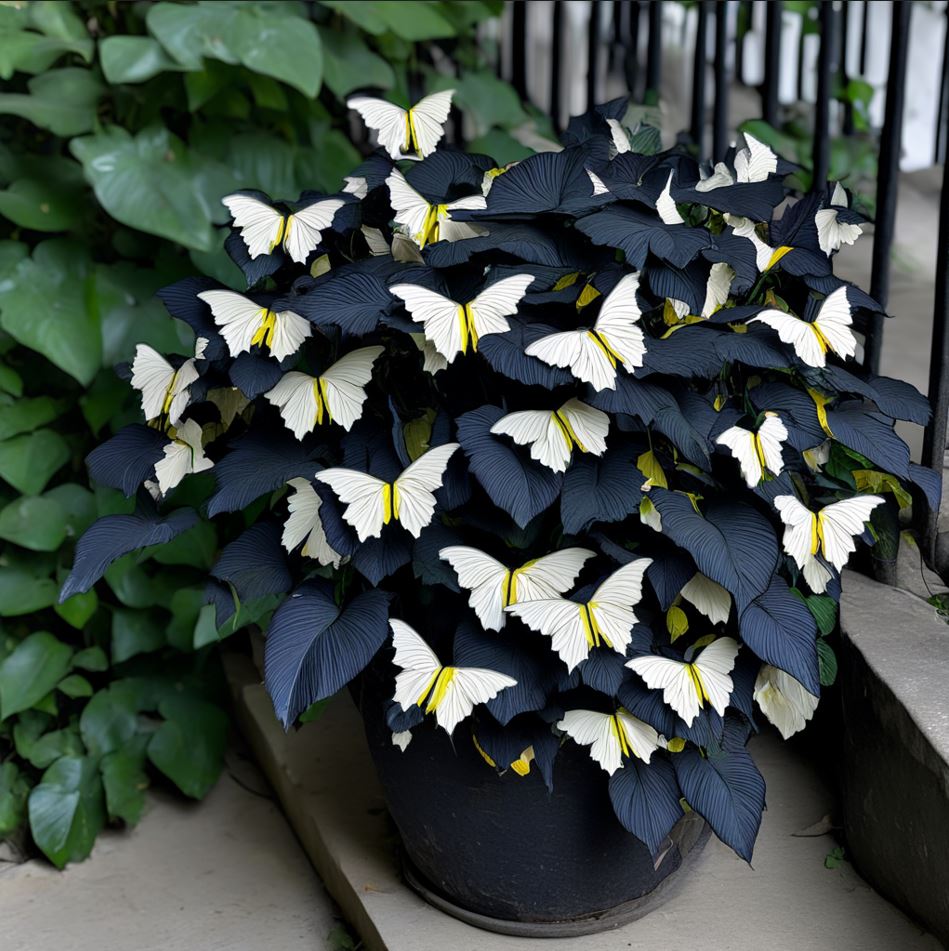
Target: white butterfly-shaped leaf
165, 390
610, 736
451, 692
666, 205
757, 451
708, 597
336, 395
765, 255
607, 619
784, 700
832, 233
717, 287
829, 532
424, 222
402, 739
262, 227
755, 162
406, 133
356, 185
620, 139
615, 339
599, 188
245, 324
372, 503
829, 331
183, 455
721, 177
494, 586
552, 436
452, 326
687, 686
304, 524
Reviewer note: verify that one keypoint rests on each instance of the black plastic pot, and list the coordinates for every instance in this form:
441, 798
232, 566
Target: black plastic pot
502, 853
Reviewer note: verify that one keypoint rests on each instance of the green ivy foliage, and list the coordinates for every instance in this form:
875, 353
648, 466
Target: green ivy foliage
123, 126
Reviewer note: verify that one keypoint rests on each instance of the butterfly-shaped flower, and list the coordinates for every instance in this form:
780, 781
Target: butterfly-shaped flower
165, 389
183, 455
406, 133
304, 524
424, 222
783, 700
758, 451
832, 233
612, 737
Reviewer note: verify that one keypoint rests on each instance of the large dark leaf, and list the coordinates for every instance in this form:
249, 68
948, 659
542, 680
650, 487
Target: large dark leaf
505, 744
505, 353
524, 241
354, 301
113, 536
126, 460
254, 374
314, 647
896, 398
732, 544
871, 434
780, 629
181, 301
646, 799
601, 488
520, 486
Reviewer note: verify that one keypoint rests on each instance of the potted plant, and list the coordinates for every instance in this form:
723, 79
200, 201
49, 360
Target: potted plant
557, 465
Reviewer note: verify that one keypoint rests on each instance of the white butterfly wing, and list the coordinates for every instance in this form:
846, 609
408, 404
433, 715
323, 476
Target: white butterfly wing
498, 301
834, 319
290, 330
796, 332
484, 577
721, 177
552, 575
152, 375
344, 382
416, 487
798, 528
617, 323
363, 496
538, 429
186, 375
840, 523
428, 119
304, 524
590, 426
258, 223
295, 397
641, 738
411, 209
576, 350
708, 597
388, 121
755, 162
620, 139
613, 601
174, 465
589, 728
673, 679
417, 660
783, 700
714, 665
816, 574
717, 287
305, 228
741, 443
666, 206
438, 315
469, 687
561, 621
237, 317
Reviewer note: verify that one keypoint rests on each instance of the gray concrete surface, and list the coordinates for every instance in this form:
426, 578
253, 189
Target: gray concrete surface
223, 875
788, 902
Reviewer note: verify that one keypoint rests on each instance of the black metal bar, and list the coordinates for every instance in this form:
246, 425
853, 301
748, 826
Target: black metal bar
616, 32
555, 47
864, 36
847, 124
593, 52
934, 440
720, 116
697, 123
825, 76
631, 57
744, 14
519, 47
772, 62
654, 54
888, 176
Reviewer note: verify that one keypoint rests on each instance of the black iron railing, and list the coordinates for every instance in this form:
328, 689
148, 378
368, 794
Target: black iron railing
636, 25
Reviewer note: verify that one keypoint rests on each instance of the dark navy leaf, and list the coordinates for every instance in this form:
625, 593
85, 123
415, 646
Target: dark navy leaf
113, 536
601, 488
755, 200
797, 409
354, 301
256, 269
314, 647
514, 482
739, 254
668, 574
126, 460
505, 744
689, 351
896, 398
780, 629
505, 353
524, 241
181, 301
254, 374
929, 481
447, 175
645, 799
753, 348
603, 670
871, 434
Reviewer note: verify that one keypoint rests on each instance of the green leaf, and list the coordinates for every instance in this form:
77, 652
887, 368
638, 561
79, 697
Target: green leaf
408, 20
75, 685
34, 668
314, 711
14, 788
91, 658
835, 858
489, 101
10, 381
67, 809
28, 462
827, 660
25, 415
125, 781
43, 306
134, 59
135, 632
33, 53
77, 610
34, 522
501, 146
78, 503
58, 19
43, 751
266, 38
824, 609
153, 183
196, 547
110, 719
189, 746
24, 587
350, 64
61, 100
48, 205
